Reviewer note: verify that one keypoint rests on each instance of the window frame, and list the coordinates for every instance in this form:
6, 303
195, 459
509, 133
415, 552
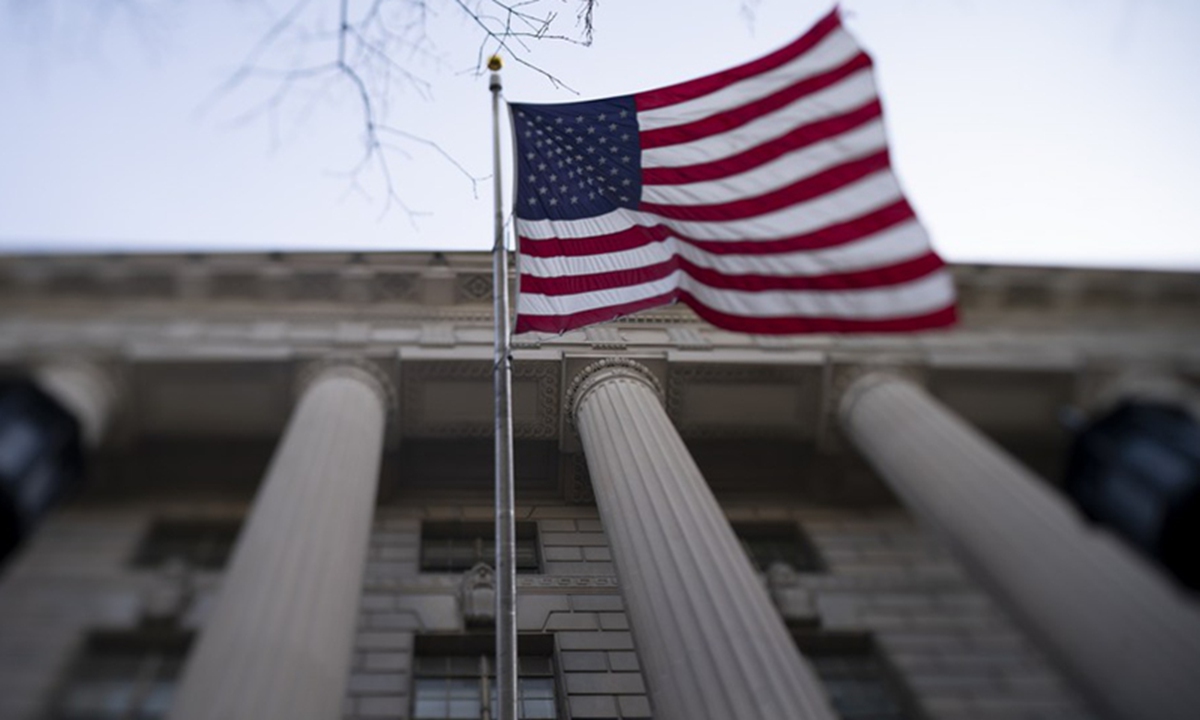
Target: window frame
469, 645
179, 531
150, 648
813, 642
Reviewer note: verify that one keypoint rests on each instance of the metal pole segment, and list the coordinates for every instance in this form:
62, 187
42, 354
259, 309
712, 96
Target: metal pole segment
506, 573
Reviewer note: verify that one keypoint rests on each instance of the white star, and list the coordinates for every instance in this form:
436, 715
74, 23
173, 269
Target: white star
601, 117
625, 137
624, 113
625, 159
562, 188
574, 199
553, 201
543, 190
541, 166
591, 129
626, 182
558, 121
578, 118
624, 198
612, 126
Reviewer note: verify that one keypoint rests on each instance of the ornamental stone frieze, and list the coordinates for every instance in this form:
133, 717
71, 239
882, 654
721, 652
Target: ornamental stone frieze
453, 398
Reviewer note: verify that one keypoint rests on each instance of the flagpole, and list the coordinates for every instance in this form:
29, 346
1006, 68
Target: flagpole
506, 573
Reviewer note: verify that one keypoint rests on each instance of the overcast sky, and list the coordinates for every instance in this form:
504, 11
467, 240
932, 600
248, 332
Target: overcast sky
1063, 132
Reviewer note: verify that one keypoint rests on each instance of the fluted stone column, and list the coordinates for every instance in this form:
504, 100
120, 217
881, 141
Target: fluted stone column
1128, 636
278, 643
711, 643
84, 389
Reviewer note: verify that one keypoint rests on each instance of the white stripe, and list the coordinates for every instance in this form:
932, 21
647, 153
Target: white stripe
846, 203
834, 50
918, 297
921, 296
778, 173
538, 304
853, 92
894, 245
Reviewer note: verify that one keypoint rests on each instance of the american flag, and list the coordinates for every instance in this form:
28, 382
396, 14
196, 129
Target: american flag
762, 197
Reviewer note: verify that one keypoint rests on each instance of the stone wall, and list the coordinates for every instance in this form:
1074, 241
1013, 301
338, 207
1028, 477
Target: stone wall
954, 651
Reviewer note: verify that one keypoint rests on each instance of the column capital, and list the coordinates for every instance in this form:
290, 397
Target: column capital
856, 381
353, 367
92, 389
847, 378
1102, 389
602, 371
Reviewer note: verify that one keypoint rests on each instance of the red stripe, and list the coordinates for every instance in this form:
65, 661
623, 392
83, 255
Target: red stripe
702, 86
736, 117
901, 272
575, 284
802, 136
634, 237
940, 318
873, 222
896, 274
802, 190
562, 323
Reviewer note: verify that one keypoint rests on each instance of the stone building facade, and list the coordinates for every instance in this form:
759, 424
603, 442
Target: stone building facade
286, 509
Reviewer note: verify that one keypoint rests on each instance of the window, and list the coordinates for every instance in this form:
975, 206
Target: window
770, 543
204, 544
455, 547
452, 674
122, 676
858, 680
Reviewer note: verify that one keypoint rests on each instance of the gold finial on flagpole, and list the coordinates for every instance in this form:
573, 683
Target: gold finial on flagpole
495, 63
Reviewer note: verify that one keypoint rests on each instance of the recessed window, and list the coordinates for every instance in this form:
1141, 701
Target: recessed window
455, 547
453, 675
122, 676
858, 680
771, 543
204, 544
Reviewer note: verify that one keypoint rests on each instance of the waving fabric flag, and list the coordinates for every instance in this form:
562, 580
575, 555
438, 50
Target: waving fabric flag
762, 197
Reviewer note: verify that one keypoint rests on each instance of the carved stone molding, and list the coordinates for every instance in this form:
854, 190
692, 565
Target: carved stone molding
473, 288
451, 584
605, 370
576, 482
605, 338
477, 595
349, 366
